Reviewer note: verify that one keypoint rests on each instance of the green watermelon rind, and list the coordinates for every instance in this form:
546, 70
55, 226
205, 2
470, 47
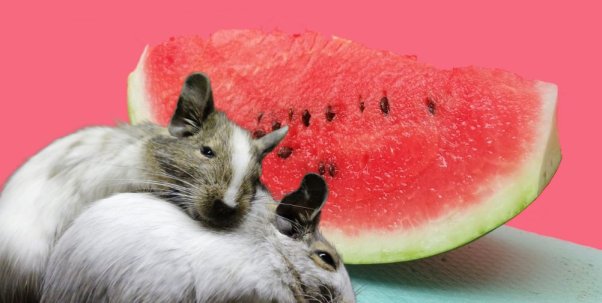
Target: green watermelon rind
459, 227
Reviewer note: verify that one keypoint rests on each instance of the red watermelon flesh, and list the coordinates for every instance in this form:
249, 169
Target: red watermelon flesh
418, 160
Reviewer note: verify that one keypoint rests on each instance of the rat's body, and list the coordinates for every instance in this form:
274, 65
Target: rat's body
45, 195
137, 248
203, 163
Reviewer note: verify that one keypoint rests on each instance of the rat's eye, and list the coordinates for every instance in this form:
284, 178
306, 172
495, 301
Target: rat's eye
207, 152
326, 257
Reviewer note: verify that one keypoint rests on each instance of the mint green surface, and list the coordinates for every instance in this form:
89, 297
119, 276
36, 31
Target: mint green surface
507, 265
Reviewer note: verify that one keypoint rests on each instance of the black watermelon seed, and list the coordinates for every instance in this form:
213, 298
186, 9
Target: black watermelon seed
276, 125
362, 106
332, 170
284, 152
259, 117
384, 105
258, 134
321, 169
329, 113
305, 117
290, 114
431, 106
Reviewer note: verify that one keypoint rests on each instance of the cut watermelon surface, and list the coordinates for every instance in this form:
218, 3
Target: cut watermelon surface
418, 160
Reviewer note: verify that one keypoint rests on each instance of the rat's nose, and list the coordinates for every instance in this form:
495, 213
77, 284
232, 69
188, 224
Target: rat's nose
221, 209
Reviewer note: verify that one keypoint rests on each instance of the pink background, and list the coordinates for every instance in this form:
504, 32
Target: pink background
64, 66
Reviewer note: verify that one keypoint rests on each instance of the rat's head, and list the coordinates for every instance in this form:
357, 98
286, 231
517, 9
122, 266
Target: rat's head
317, 273
209, 165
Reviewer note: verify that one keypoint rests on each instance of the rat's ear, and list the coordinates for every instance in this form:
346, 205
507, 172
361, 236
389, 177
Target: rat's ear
194, 105
299, 211
268, 142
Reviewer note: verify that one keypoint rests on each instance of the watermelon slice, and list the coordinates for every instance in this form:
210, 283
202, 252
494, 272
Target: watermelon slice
418, 160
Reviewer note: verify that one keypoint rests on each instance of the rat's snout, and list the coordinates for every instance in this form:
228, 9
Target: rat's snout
217, 208
221, 210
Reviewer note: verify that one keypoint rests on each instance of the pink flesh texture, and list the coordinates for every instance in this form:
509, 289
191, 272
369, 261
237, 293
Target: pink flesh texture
446, 131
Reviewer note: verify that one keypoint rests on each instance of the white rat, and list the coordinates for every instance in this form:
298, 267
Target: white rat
202, 162
138, 248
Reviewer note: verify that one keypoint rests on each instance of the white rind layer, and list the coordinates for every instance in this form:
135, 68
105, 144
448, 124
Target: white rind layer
512, 194
139, 108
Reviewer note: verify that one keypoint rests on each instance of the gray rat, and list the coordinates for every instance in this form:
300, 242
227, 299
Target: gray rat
139, 248
202, 162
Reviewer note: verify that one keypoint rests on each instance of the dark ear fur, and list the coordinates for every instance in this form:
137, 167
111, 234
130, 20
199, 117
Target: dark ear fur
194, 105
299, 211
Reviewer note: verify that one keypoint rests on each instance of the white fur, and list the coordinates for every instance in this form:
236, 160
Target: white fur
52, 188
240, 158
135, 246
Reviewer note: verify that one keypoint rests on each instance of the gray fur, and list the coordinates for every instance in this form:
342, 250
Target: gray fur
136, 248
23, 288
49, 191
